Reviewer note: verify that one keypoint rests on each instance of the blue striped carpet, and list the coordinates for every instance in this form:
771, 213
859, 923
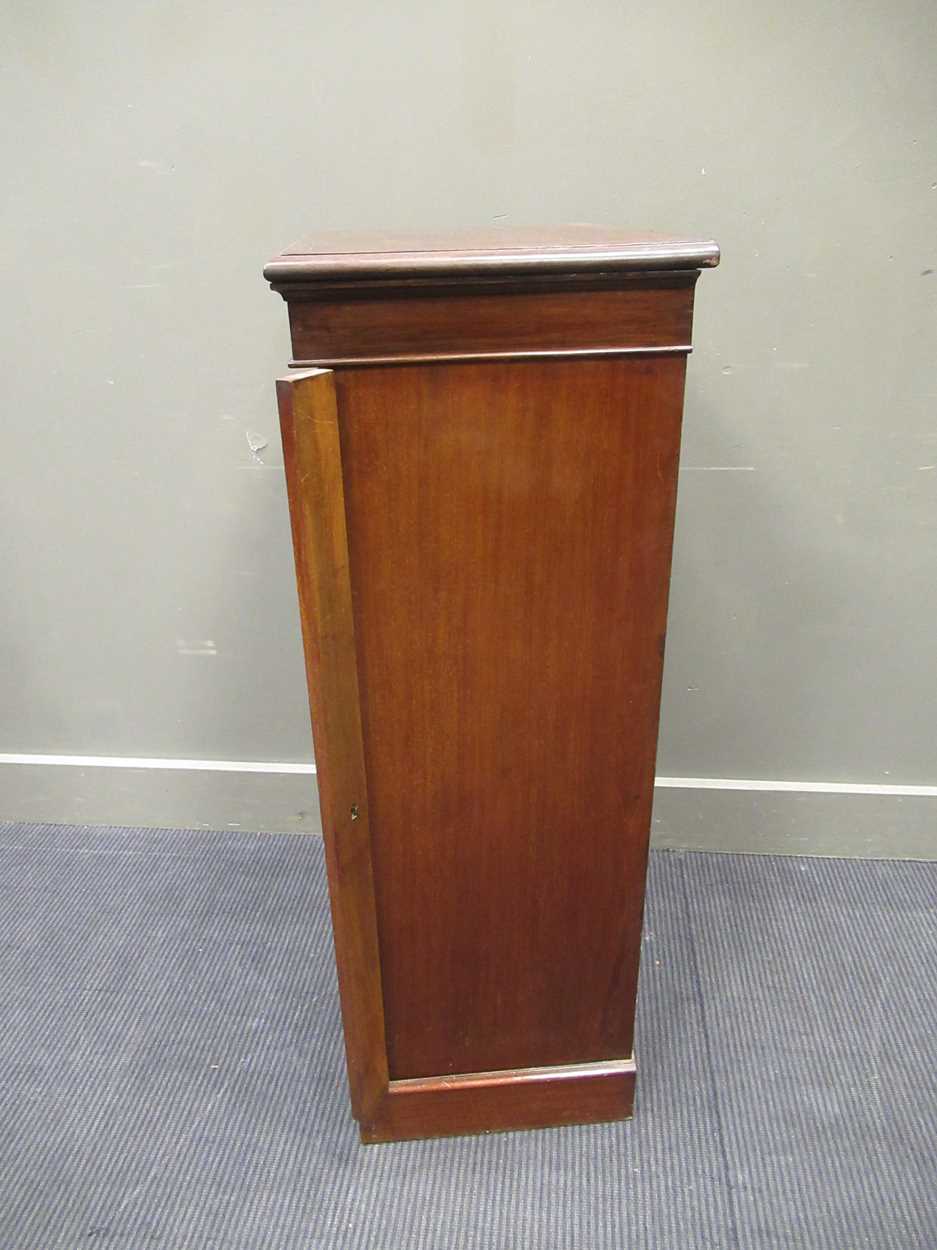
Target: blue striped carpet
171, 1064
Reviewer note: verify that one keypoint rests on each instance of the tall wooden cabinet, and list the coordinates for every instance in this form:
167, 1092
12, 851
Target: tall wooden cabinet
481, 435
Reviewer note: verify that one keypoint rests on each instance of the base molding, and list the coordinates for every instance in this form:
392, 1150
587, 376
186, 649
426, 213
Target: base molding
518, 1098
172, 796
703, 815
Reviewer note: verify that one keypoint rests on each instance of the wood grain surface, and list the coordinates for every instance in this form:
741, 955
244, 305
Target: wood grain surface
312, 454
637, 314
482, 500
530, 250
509, 533
488, 1102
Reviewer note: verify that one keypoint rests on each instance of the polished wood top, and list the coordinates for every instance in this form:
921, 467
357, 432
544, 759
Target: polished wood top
346, 256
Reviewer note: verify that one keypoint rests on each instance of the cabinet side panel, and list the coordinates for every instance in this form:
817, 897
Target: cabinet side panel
312, 455
510, 531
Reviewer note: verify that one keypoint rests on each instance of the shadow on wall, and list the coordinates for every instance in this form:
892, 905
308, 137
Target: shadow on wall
250, 643
761, 591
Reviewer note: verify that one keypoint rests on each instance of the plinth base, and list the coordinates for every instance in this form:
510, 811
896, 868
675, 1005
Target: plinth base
519, 1098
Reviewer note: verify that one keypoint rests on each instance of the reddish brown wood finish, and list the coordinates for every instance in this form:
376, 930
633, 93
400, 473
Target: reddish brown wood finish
483, 554
309, 428
488, 1102
509, 531
645, 314
521, 251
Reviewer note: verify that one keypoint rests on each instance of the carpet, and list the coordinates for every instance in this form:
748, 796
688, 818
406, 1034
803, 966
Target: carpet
171, 1067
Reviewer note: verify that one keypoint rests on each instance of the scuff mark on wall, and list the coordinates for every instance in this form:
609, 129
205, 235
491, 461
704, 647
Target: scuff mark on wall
196, 646
256, 442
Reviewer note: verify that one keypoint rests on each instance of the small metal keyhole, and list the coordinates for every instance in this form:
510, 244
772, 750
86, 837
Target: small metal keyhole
354, 811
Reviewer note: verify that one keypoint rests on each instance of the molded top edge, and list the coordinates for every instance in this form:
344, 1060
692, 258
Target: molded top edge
349, 256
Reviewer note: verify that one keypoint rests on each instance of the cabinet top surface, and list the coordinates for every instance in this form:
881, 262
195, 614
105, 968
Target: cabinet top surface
571, 249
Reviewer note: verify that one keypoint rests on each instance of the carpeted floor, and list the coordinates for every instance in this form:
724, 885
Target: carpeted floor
171, 1064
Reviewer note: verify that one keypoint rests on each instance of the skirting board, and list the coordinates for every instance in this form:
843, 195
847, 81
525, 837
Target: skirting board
795, 822
159, 797
689, 813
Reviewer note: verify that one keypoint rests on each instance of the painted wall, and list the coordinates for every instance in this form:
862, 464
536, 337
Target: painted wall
155, 156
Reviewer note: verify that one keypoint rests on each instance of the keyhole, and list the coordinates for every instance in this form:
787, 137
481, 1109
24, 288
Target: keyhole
354, 811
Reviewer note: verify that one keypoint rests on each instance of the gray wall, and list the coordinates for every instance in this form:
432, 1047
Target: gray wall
155, 156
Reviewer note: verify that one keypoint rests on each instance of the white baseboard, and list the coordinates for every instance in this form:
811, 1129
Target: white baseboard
794, 787
694, 813
173, 765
